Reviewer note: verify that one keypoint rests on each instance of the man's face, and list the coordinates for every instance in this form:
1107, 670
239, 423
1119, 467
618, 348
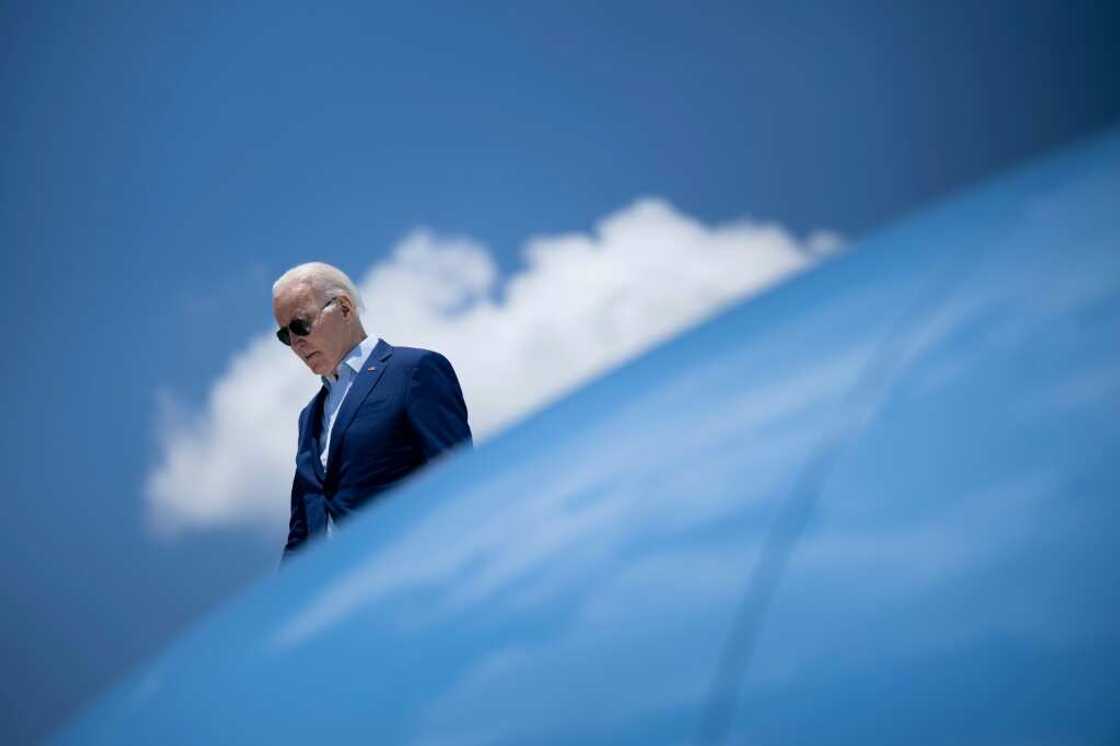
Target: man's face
322, 349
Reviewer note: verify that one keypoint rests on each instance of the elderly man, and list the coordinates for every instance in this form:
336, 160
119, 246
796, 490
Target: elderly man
382, 412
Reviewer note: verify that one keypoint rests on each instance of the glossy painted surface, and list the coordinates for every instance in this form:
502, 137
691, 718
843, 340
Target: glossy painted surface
877, 505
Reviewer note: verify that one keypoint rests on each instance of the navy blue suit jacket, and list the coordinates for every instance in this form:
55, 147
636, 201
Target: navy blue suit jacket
404, 408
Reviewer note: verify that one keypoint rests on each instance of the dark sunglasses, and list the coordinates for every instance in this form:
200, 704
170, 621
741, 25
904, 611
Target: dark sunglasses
300, 327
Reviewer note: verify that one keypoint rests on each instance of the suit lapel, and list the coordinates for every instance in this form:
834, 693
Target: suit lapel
315, 431
370, 373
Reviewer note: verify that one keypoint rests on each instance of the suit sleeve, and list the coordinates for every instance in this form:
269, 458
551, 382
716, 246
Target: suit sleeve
435, 406
297, 520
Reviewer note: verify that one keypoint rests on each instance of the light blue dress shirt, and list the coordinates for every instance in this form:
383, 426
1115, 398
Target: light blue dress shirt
338, 388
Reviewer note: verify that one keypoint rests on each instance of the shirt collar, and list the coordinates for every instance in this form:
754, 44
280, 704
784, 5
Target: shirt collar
353, 360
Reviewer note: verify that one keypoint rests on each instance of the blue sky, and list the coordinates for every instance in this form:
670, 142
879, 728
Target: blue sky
160, 165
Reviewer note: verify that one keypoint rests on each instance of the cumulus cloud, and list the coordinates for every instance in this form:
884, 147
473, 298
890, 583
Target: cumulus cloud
583, 303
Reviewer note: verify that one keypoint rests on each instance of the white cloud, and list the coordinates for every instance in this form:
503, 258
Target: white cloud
583, 304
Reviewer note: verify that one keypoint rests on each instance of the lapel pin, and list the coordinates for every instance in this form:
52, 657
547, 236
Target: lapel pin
371, 368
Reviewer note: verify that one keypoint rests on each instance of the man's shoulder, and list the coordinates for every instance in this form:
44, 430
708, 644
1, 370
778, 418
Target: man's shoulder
309, 405
410, 357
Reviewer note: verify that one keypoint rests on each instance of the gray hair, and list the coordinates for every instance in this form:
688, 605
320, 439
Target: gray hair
324, 279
